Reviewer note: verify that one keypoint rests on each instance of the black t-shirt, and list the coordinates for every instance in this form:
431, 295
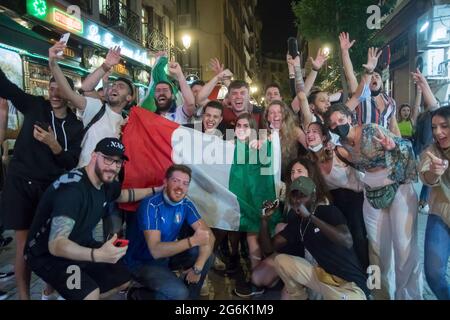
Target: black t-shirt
333, 258
73, 196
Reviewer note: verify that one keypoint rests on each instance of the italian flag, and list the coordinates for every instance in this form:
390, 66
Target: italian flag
159, 73
230, 181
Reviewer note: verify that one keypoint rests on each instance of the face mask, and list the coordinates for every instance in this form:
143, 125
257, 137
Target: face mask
316, 148
342, 130
375, 93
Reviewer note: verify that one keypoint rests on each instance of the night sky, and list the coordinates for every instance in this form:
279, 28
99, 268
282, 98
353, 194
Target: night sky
278, 24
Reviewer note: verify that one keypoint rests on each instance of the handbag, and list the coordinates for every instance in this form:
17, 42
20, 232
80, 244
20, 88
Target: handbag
381, 197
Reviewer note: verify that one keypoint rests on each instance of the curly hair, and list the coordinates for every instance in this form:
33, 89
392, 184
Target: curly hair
288, 136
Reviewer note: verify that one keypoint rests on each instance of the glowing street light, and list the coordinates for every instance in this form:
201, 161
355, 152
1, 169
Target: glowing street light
326, 50
186, 40
253, 89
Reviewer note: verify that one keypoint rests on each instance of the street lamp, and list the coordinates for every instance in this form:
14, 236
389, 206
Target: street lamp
326, 50
253, 89
186, 40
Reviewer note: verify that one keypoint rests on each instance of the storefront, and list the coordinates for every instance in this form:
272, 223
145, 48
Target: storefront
95, 40
433, 50
26, 53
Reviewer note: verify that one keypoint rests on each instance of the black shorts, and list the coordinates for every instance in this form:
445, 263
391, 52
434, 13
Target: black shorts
62, 273
20, 198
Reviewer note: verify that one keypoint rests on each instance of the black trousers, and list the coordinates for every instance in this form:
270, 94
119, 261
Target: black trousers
351, 205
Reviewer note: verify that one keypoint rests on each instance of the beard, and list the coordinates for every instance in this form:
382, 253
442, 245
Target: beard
101, 174
163, 107
375, 93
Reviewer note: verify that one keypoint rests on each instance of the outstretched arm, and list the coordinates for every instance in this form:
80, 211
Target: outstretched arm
346, 44
428, 97
64, 88
316, 66
202, 97
112, 59
188, 96
361, 91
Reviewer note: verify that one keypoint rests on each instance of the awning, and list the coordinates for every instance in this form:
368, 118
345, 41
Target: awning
15, 35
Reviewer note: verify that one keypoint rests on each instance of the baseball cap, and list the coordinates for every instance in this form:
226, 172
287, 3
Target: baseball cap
304, 185
111, 147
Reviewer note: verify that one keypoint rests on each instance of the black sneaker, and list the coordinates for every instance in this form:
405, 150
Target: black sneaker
5, 241
248, 290
3, 295
4, 276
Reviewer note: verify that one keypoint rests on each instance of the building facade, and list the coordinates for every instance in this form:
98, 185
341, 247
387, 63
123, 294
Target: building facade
140, 28
417, 35
226, 29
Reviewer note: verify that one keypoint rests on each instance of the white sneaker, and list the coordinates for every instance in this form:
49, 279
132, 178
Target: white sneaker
53, 296
219, 265
204, 292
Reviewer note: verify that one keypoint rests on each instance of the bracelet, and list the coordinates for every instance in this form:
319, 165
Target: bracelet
105, 67
316, 70
92, 255
189, 242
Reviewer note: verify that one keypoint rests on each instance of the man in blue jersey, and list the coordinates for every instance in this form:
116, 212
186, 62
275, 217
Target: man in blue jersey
157, 244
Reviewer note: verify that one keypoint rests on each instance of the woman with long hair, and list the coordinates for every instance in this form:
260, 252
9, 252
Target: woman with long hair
390, 202
344, 183
279, 117
434, 172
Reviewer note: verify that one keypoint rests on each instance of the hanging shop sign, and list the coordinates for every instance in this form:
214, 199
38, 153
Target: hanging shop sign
55, 14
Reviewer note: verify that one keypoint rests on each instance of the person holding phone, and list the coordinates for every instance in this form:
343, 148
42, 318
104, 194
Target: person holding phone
47, 146
61, 235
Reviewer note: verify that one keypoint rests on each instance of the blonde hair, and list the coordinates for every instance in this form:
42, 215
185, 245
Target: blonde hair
288, 133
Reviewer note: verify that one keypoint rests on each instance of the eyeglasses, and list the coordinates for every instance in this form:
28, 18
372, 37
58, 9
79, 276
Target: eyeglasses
110, 161
118, 85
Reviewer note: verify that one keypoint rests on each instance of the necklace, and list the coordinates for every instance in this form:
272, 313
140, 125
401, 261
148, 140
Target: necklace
303, 232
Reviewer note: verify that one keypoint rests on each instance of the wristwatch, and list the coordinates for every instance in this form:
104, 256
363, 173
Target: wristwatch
197, 271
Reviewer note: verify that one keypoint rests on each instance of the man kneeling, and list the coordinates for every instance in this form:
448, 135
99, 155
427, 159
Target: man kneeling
61, 249
158, 246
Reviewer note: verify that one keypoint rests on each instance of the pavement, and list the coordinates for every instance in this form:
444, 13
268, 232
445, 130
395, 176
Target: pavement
220, 286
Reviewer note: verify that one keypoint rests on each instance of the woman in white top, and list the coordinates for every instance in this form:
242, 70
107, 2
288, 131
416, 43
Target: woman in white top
343, 182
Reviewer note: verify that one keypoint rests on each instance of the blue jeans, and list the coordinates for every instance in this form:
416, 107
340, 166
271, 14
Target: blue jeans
437, 252
162, 283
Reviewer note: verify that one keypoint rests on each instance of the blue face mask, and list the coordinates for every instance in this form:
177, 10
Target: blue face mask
341, 130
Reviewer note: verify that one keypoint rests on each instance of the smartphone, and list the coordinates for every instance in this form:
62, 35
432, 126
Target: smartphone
292, 47
120, 243
43, 125
65, 38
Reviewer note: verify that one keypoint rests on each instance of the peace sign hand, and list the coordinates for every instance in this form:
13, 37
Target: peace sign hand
386, 142
438, 165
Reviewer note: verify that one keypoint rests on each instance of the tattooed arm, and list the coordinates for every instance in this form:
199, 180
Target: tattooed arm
60, 245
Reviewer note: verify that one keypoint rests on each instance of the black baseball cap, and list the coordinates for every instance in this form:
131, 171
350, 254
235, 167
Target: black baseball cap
111, 147
128, 82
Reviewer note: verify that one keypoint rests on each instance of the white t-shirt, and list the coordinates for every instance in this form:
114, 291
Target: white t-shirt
178, 116
107, 126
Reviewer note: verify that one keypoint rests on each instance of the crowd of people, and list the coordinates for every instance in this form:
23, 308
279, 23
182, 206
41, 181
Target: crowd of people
348, 207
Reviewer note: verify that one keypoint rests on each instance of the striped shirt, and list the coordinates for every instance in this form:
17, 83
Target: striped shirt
367, 111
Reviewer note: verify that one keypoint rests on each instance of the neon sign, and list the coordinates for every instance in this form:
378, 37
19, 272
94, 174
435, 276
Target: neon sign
103, 37
67, 21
